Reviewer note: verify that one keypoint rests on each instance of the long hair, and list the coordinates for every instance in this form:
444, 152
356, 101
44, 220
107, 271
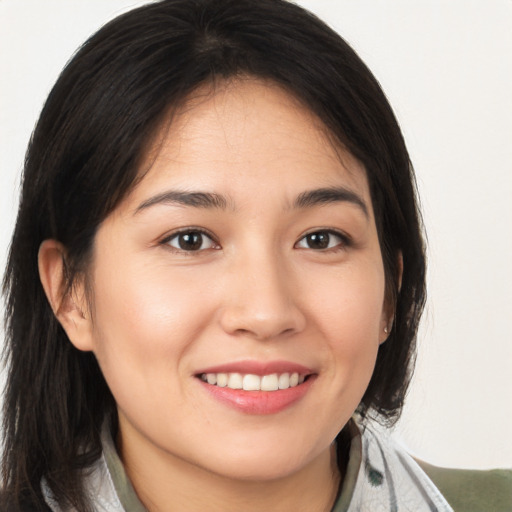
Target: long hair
84, 157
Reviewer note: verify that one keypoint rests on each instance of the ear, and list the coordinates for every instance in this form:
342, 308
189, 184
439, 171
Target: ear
388, 311
69, 305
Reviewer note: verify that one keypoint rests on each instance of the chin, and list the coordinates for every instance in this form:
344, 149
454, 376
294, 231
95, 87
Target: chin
262, 461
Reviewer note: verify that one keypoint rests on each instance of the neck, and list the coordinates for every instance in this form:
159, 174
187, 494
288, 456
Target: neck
170, 484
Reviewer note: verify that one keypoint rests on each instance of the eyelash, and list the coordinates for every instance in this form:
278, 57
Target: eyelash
344, 242
189, 231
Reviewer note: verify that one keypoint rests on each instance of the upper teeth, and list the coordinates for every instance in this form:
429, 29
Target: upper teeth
250, 382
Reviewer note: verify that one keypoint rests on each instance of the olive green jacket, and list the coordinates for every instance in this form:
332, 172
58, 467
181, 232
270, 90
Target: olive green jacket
469, 490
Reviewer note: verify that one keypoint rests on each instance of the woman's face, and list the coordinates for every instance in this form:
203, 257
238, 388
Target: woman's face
246, 257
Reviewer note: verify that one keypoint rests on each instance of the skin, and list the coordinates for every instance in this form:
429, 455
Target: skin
256, 290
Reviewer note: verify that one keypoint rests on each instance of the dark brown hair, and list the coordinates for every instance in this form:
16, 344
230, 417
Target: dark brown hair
84, 158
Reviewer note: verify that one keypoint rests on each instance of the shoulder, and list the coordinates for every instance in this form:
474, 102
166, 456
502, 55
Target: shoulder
473, 490
387, 477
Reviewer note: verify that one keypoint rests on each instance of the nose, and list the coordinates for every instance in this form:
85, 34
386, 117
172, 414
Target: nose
261, 300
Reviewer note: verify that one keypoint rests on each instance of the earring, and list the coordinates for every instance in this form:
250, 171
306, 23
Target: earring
386, 330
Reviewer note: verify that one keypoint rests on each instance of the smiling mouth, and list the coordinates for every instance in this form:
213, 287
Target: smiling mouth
251, 382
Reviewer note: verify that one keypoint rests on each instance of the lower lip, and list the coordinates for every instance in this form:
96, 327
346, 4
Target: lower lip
259, 402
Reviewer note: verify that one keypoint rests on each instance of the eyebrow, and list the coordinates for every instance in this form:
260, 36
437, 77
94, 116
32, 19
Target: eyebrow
194, 199
211, 200
329, 195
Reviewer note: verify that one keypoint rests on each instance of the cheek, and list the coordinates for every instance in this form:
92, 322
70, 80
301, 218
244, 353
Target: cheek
352, 300
144, 321
348, 308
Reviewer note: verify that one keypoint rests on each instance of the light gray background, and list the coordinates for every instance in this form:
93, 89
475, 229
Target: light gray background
446, 67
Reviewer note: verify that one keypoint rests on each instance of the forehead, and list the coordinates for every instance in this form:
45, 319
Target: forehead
242, 133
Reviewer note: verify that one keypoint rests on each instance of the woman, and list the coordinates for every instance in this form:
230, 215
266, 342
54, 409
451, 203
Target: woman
216, 275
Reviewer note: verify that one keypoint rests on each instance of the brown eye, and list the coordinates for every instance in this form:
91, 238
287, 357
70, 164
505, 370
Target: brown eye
191, 241
321, 240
